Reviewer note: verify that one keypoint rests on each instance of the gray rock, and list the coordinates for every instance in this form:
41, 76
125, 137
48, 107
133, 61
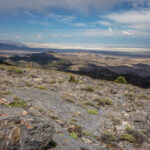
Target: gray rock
139, 117
25, 133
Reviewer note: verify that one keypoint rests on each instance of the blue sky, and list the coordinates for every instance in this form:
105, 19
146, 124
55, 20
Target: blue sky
123, 23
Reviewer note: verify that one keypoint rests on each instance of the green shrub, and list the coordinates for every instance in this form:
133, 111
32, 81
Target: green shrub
121, 79
72, 79
19, 71
17, 102
87, 133
128, 137
73, 135
129, 128
92, 112
41, 87
5, 93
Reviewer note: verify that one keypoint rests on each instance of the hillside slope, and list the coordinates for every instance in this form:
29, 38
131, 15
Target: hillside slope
87, 114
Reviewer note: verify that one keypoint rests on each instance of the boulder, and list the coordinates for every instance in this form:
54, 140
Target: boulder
25, 133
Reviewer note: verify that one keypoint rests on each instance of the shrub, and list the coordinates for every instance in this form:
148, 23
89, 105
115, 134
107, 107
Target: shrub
116, 121
92, 112
73, 135
121, 79
41, 87
139, 137
17, 102
28, 84
89, 104
87, 133
5, 93
89, 89
129, 128
52, 82
72, 79
128, 137
68, 98
102, 101
107, 137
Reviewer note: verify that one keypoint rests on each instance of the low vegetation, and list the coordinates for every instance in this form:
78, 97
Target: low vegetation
18, 102
41, 87
72, 79
52, 82
73, 135
89, 89
87, 133
28, 84
16, 70
121, 79
92, 112
116, 121
68, 98
128, 137
103, 102
107, 137
5, 93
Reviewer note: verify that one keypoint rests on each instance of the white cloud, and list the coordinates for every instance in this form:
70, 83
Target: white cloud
60, 35
67, 19
29, 13
80, 24
137, 33
17, 37
131, 17
126, 33
38, 22
38, 36
8, 36
100, 32
97, 33
63, 18
105, 23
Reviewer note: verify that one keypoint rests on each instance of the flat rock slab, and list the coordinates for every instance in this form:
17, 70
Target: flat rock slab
25, 133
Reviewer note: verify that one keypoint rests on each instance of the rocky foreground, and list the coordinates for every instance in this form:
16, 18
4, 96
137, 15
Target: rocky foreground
47, 109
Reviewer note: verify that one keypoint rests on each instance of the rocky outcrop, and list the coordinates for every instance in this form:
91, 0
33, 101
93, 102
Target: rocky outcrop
25, 133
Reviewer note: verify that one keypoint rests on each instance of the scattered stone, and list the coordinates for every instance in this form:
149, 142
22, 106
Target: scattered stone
3, 101
105, 110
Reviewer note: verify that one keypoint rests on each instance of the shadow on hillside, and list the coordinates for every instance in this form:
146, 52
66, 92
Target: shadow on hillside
41, 59
48, 61
100, 72
3, 63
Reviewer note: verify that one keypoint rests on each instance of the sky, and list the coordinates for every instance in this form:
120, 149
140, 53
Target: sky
105, 23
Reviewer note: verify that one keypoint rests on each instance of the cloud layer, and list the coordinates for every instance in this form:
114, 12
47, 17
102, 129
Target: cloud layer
87, 21
77, 5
